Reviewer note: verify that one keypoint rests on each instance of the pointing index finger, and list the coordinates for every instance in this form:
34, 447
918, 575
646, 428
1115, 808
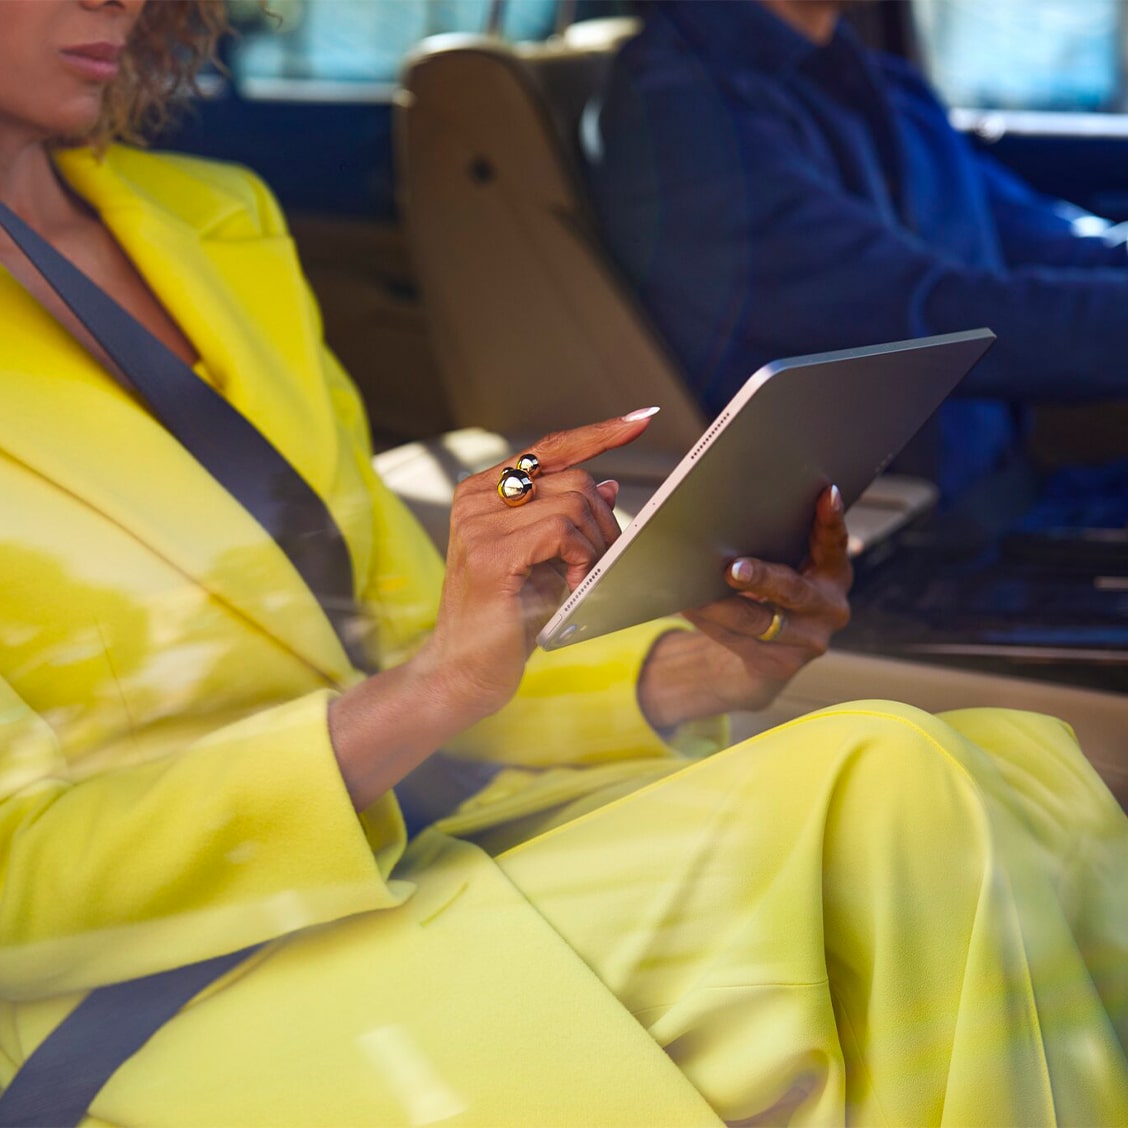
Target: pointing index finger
560, 450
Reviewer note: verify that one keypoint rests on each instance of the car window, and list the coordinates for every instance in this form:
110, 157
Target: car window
1024, 54
315, 44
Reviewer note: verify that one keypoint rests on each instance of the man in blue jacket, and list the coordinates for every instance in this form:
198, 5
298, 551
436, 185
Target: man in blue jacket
773, 187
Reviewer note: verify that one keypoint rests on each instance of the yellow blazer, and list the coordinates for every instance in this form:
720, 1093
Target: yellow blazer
167, 786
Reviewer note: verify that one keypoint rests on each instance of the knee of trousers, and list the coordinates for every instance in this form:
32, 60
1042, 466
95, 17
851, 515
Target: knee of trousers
904, 823
892, 774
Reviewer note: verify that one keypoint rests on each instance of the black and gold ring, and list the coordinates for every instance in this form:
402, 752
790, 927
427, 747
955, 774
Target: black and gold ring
515, 486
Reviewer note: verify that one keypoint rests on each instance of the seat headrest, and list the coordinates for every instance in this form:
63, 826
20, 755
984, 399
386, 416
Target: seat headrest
563, 72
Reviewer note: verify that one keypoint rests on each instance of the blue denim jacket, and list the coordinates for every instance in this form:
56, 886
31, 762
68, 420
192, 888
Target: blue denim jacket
768, 196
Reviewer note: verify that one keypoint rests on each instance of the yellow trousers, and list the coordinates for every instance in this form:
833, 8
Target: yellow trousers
869, 914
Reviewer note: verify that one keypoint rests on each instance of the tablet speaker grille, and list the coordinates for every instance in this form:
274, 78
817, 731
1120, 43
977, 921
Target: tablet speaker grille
718, 423
587, 581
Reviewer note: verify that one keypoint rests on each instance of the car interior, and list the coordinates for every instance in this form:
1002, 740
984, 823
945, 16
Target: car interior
445, 232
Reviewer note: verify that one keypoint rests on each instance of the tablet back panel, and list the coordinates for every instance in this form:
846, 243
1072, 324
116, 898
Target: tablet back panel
749, 486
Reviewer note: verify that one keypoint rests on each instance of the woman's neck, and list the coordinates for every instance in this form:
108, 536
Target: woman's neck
816, 19
30, 186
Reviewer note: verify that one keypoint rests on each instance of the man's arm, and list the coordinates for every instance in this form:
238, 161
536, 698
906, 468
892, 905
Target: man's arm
744, 248
1038, 230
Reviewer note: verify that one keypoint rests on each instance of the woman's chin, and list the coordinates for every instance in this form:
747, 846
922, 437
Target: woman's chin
75, 122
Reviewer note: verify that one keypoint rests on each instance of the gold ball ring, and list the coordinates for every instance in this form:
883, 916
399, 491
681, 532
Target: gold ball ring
775, 627
529, 463
514, 487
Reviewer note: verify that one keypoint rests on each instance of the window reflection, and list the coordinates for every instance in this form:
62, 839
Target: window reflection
1024, 54
364, 40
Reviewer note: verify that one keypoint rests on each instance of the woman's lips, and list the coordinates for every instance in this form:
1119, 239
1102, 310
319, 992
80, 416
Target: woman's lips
95, 61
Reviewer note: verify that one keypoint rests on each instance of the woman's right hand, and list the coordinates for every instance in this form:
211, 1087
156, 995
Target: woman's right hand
508, 569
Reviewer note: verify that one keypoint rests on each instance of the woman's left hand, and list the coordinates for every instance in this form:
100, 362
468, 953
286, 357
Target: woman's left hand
749, 645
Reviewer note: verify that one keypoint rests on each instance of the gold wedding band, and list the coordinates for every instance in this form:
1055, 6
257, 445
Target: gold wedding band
775, 627
515, 486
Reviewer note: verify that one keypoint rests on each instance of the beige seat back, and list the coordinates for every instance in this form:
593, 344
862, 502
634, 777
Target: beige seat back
532, 328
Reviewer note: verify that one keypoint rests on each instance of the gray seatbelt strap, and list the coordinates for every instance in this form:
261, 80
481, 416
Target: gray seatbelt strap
223, 441
56, 1084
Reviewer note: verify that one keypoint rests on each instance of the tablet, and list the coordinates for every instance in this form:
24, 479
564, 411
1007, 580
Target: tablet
749, 486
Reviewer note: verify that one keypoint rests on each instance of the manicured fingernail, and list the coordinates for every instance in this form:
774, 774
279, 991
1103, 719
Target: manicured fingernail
835, 499
742, 571
608, 490
641, 413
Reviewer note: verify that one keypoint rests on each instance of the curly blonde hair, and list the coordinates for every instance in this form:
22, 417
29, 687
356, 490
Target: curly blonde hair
169, 44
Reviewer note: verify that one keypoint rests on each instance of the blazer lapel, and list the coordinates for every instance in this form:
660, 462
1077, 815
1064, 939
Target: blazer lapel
237, 294
152, 487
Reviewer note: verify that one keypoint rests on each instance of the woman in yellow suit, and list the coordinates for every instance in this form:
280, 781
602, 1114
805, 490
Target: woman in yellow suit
868, 915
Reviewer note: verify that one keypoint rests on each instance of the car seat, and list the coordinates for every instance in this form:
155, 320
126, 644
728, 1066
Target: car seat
532, 327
